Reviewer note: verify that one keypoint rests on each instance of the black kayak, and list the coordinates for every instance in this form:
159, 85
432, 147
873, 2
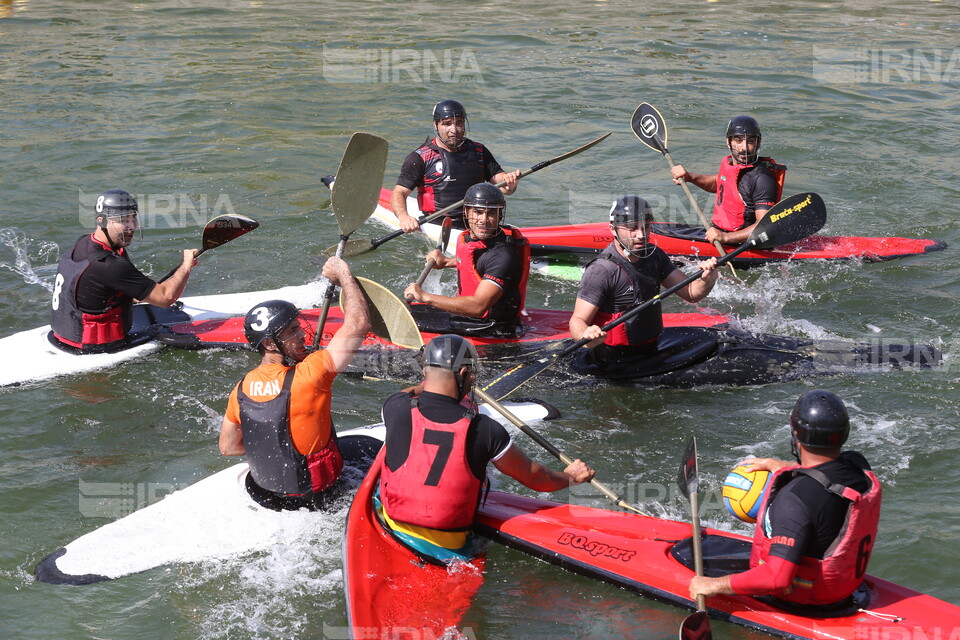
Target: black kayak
695, 356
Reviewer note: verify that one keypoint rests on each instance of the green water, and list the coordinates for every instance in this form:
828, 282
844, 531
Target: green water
206, 107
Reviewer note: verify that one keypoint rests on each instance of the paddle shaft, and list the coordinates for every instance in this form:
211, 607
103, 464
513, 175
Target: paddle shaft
657, 299
456, 205
543, 442
327, 300
174, 270
697, 545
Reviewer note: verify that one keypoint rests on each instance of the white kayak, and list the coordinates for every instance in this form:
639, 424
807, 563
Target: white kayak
37, 359
212, 519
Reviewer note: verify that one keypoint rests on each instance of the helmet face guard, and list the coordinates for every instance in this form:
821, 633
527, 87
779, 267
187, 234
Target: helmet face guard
484, 195
446, 109
267, 320
744, 126
632, 213
117, 204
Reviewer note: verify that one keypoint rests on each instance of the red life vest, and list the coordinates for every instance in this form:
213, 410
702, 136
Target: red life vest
646, 326
729, 211
448, 175
434, 487
836, 576
510, 305
275, 463
78, 328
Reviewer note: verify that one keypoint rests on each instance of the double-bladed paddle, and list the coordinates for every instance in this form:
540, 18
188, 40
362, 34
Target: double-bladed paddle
391, 319
789, 220
696, 626
221, 230
353, 197
649, 127
360, 247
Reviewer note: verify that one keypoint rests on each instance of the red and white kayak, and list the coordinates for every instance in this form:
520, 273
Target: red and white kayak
390, 590
549, 243
543, 325
645, 555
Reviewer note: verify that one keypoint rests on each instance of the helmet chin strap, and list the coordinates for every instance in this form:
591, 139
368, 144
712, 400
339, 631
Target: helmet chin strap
638, 253
794, 449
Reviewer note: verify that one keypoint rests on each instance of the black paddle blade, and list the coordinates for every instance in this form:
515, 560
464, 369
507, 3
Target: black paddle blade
696, 626
793, 218
649, 127
445, 233
225, 228
521, 373
689, 480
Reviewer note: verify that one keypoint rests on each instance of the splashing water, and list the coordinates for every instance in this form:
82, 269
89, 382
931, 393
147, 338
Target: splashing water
23, 248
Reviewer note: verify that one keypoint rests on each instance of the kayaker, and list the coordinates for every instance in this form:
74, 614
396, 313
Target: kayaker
278, 415
437, 451
818, 522
747, 185
443, 168
96, 282
629, 271
493, 263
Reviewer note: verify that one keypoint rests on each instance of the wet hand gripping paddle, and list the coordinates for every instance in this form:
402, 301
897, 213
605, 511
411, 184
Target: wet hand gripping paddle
360, 247
354, 196
789, 220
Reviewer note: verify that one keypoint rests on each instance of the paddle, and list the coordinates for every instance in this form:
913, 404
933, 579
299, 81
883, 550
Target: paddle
353, 197
789, 220
218, 231
360, 247
556, 453
696, 626
441, 247
649, 127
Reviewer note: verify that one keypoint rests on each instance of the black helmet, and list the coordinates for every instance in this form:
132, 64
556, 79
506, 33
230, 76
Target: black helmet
115, 202
630, 211
819, 420
448, 109
268, 319
449, 352
743, 126
485, 196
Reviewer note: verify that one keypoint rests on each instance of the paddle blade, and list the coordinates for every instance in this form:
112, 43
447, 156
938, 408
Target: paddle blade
356, 190
223, 229
389, 317
689, 480
445, 233
351, 249
521, 373
696, 626
789, 220
649, 127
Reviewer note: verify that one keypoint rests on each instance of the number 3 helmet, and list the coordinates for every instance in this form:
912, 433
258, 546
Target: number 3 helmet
267, 320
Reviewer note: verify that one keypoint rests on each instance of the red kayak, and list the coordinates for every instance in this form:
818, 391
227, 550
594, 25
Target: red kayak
543, 325
391, 592
688, 242
652, 557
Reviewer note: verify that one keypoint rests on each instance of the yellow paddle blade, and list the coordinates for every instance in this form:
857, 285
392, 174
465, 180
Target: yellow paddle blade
389, 316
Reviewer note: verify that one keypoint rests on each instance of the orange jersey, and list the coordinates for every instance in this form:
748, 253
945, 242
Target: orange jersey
310, 423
